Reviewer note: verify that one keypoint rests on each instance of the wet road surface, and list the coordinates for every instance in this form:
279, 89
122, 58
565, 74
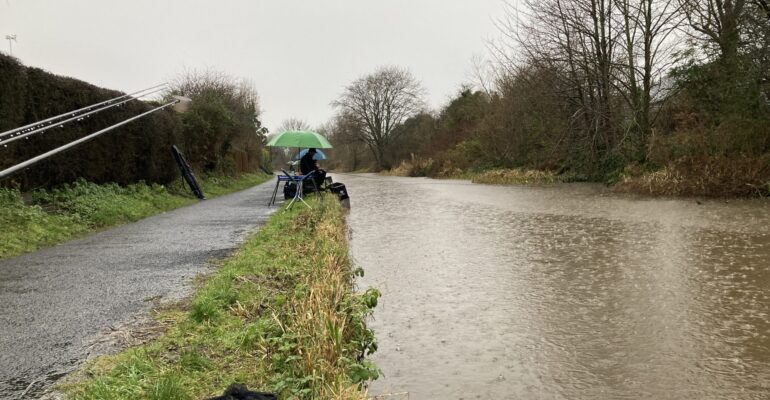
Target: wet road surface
562, 292
60, 305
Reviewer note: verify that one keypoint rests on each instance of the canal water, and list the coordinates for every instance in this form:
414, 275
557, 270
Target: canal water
562, 292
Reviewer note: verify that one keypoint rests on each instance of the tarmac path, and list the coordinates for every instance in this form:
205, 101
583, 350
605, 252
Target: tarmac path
62, 305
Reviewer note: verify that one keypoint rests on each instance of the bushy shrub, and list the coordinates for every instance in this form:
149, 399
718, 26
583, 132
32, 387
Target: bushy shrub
136, 151
221, 125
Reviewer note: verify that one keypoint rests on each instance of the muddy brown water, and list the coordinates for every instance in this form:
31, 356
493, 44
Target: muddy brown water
562, 292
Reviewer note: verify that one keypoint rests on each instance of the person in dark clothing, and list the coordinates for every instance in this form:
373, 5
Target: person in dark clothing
307, 165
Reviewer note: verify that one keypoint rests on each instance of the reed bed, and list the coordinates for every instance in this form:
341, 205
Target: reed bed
706, 176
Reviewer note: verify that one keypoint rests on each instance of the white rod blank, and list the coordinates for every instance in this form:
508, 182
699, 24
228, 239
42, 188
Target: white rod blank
72, 113
76, 117
6, 172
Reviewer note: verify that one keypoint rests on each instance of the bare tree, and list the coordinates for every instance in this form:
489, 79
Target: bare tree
647, 28
608, 57
293, 124
483, 74
349, 151
378, 103
578, 38
718, 22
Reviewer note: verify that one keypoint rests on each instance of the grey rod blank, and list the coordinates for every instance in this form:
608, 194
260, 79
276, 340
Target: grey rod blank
60, 116
45, 128
6, 172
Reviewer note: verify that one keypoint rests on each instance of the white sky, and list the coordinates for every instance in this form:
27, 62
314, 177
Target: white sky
299, 54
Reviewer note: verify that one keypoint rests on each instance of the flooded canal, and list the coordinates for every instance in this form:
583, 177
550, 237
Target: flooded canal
564, 292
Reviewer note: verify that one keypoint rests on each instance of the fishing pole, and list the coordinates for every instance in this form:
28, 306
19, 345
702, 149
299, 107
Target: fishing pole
52, 120
77, 117
181, 101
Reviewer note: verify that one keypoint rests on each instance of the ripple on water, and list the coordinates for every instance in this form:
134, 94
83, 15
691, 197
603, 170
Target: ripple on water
563, 292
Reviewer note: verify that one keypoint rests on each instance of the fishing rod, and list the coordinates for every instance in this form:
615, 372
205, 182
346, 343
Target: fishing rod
181, 102
52, 120
77, 117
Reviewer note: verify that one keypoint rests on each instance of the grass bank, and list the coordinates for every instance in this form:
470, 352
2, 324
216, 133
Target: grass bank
702, 177
47, 217
705, 176
498, 176
279, 316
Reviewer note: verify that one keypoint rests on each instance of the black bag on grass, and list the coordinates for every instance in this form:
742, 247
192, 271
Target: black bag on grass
289, 190
339, 189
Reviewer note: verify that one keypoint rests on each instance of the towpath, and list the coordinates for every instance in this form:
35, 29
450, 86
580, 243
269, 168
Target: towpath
61, 305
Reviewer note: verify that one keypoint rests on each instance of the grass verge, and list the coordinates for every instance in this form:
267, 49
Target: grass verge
705, 176
515, 177
279, 316
57, 215
500, 176
738, 176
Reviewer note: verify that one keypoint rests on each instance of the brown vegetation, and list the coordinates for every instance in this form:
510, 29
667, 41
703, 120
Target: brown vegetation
711, 177
667, 96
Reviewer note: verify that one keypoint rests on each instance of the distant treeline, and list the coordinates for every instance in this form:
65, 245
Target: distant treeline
658, 96
220, 133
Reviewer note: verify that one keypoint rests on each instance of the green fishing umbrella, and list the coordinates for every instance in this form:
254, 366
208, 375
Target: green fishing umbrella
305, 139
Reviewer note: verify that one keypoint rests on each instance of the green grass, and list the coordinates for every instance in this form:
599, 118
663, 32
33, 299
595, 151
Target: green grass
278, 316
500, 176
514, 177
418, 166
57, 215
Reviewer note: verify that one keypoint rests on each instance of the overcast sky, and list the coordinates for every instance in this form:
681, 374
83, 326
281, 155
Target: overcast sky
299, 54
